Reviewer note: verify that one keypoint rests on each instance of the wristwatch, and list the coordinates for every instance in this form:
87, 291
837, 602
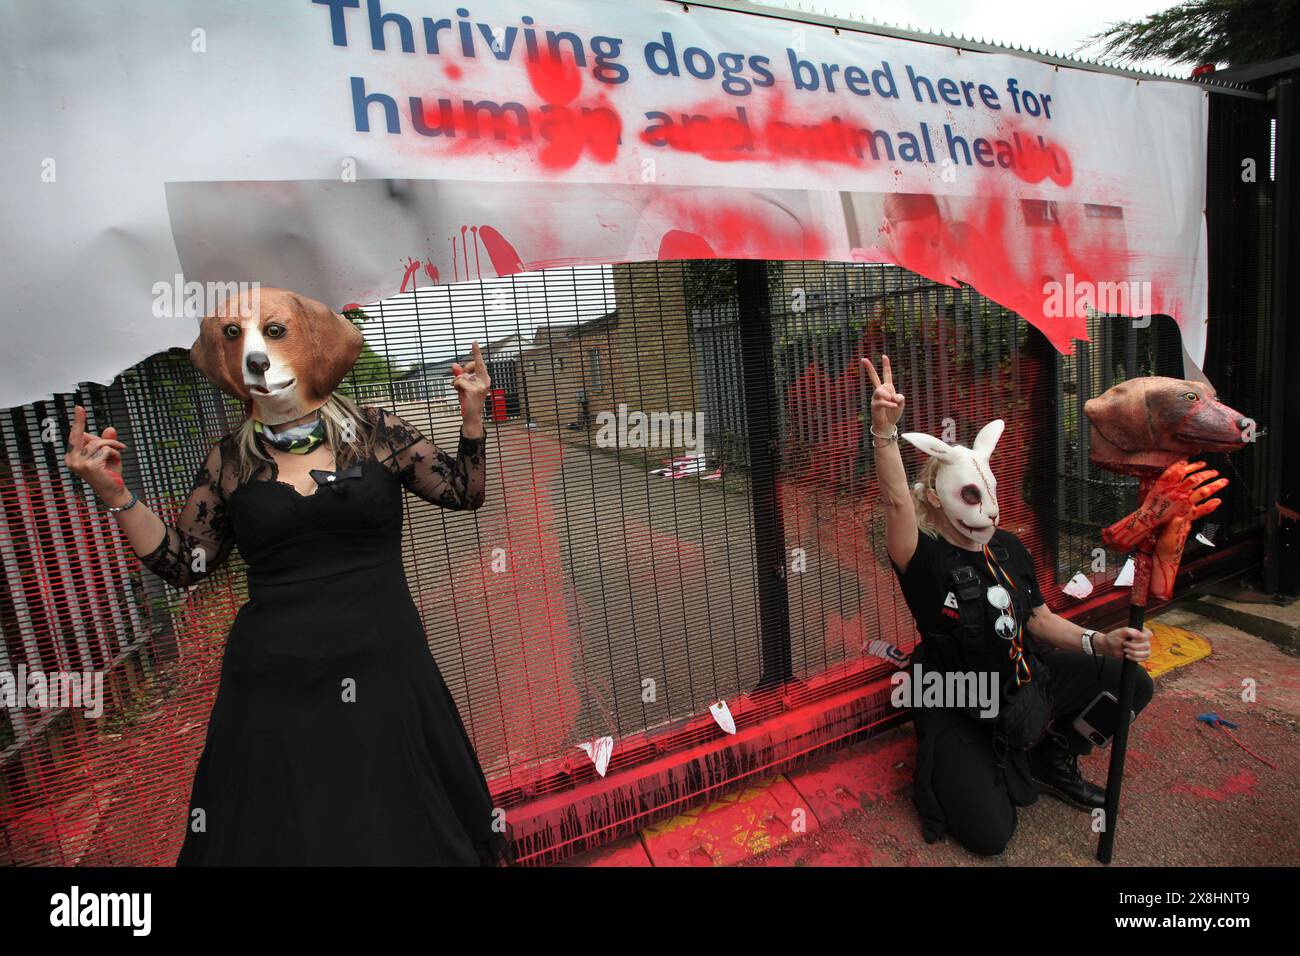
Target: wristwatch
1087, 637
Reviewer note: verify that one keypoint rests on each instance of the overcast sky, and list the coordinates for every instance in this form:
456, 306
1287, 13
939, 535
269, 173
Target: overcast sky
1049, 25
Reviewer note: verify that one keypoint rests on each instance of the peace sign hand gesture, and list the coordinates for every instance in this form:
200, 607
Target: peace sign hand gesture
886, 402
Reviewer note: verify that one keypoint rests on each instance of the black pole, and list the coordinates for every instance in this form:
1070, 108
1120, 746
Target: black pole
1282, 567
761, 435
1119, 746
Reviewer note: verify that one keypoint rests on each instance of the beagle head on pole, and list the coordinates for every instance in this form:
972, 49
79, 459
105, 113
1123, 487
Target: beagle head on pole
281, 351
964, 486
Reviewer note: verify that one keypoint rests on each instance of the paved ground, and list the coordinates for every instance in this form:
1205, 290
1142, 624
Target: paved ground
1192, 797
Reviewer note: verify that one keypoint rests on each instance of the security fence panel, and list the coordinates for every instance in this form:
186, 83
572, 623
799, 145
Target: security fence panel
682, 514
961, 361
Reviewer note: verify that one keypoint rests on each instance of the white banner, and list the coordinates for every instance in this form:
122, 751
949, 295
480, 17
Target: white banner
350, 149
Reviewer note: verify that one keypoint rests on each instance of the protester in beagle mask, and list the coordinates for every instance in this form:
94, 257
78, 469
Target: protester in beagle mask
333, 738
972, 590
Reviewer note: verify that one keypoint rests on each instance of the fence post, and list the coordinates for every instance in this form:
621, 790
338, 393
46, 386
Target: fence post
761, 436
1282, 565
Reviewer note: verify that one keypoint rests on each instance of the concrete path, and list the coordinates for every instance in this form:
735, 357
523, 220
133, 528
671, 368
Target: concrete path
1191, 796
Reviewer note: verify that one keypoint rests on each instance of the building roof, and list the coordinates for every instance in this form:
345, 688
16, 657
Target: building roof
440, 364
544, 336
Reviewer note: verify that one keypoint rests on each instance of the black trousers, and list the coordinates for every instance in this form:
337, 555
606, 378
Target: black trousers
964, 776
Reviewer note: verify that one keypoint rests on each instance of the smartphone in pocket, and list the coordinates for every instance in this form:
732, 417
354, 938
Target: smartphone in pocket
1099, 719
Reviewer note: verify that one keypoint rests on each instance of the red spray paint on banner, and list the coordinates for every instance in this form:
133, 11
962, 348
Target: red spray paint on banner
766, 133
553, 131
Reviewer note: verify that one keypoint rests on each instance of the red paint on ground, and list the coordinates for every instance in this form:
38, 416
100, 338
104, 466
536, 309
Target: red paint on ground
1243, 781
861, 775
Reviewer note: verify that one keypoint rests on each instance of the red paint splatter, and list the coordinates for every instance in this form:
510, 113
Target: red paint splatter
556, 79
570, 129
766, 133
1241, 782
1012, 251
558, 130
412, 266
677, 244
747, 228
1035, 157
505, 260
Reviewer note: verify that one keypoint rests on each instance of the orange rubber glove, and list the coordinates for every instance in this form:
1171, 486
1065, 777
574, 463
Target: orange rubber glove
1175, 494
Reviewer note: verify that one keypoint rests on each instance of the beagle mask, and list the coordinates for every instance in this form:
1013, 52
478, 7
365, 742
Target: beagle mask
963, 483
280, 351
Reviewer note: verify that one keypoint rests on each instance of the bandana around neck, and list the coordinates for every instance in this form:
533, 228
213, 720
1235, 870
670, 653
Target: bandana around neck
298, 440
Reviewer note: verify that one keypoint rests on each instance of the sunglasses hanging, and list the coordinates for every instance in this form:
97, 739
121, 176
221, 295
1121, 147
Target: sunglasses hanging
1007, 626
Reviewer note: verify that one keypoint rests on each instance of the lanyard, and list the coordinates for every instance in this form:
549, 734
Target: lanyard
1017, 650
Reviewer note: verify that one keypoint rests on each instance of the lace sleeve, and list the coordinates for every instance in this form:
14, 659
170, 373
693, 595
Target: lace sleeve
457, 483
201, 537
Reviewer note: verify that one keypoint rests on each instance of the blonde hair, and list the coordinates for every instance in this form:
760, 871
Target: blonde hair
342, 418
927, 514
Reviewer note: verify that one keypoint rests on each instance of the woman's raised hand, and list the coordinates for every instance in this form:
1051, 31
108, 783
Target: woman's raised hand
97, 460
472, 381
886, 402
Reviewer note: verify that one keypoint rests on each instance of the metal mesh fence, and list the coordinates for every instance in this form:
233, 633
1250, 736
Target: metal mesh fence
625, 570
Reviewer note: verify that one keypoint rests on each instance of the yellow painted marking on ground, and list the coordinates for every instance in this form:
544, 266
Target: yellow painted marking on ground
1173, 647
691, 816
743, 819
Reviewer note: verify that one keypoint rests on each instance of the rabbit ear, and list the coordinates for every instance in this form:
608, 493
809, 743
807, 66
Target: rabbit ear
930, 445
988, 437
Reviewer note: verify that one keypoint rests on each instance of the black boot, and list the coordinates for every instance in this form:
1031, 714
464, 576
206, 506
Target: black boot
1056, 770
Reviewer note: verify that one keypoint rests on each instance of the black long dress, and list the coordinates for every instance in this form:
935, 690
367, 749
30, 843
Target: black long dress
333, 738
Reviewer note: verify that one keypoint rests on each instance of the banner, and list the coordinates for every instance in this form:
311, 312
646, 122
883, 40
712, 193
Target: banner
350, 149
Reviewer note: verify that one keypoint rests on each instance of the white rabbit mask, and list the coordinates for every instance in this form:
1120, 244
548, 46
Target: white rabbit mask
964, 483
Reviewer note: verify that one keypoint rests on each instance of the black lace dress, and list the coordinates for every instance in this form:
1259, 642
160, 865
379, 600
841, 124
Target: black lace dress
333, 738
